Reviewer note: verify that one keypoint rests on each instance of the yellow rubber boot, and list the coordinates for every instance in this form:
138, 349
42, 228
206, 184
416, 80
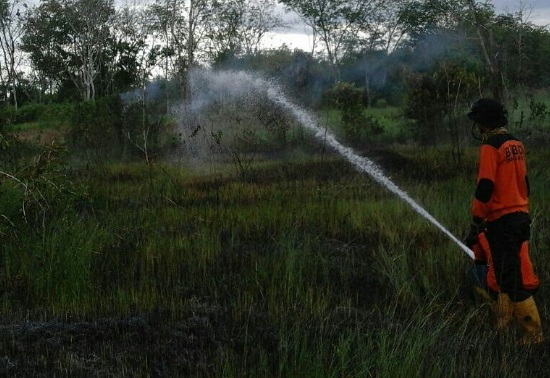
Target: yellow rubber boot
502, 312
528, 318
482, 296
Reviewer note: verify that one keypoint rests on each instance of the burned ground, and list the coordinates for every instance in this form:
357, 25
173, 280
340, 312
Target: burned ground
154, 345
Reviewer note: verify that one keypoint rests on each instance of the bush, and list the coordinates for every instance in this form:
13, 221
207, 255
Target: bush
348, 99
58, 114
96, 127
142, 127
41, 202
29, 113
7, 116
46, 114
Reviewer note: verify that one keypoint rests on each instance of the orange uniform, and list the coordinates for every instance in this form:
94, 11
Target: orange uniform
502, 183
482, 251
501, 201
499, 234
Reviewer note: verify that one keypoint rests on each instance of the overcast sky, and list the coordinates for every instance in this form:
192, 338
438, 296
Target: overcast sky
538, 11
298, 36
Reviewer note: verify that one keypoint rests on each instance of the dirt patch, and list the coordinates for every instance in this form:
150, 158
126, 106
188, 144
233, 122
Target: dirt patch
41, 137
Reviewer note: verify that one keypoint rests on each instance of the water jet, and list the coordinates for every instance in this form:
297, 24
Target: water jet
228, 84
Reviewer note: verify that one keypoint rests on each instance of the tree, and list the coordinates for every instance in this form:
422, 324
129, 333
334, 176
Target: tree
239, 26
380, 33
420, 107
11, 30
436, 101
89, 22
133, 52
43, 40
466, 19
66, 39
455, 86
334, 21
164, 23
183, 26
525, 49
348, 99
482, 19
424, 17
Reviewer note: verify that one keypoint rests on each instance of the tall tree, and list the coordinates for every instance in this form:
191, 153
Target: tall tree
11, 30
482, 17
462, 19
428, 17
134, 51
90, 26
239, 26
43, 40
183, 24
67, 38
334, 21
380, 32
524, 48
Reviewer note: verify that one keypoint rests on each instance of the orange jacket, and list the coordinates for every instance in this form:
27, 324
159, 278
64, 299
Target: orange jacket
502, 183
482, 253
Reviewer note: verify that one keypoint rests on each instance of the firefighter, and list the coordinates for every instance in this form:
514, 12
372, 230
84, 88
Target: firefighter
499, 233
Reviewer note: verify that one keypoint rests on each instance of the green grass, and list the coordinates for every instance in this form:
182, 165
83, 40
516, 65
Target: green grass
23, 127
389, 118
301, 268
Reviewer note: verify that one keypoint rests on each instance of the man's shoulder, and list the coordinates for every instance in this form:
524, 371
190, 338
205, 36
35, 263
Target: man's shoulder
498, 140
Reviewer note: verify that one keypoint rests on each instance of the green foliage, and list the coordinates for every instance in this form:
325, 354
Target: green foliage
420, 107
12, 151
305, 267
526, 47
539, 110
59, 33
435, 30
437, 101
29, 113
141, 129
46, 189
422, 18
96, 128
7, 116
356, 125
276, 121
40, 206
50, 115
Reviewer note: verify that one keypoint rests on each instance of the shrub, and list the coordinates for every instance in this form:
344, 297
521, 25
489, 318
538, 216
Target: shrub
50, 113
96, 127
348, 99
29, 113
7, 116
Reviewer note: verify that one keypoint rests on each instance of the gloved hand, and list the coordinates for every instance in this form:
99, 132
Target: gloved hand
471, 238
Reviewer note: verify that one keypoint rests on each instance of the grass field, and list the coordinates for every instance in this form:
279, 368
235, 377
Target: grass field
252, 251
303, 267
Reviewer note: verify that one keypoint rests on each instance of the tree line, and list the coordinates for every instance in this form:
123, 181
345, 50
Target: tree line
60, 50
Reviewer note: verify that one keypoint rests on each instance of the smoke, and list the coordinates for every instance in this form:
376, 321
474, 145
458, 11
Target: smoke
150, 93
221, 117
221, 88
230, 112
226, 87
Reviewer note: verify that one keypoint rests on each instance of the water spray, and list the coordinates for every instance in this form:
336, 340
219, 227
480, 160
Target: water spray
363, 164
307, 120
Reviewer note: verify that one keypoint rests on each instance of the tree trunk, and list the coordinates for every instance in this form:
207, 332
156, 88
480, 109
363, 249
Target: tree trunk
490, 55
